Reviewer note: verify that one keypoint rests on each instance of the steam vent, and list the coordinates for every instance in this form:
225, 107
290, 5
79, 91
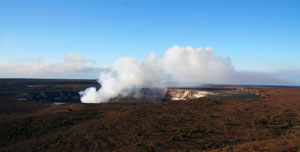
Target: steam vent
185, 94
152, 95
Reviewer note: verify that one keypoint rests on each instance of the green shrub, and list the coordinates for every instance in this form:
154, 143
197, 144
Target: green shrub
172, 138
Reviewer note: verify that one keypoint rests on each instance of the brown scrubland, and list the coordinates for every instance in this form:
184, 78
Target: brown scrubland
266, 120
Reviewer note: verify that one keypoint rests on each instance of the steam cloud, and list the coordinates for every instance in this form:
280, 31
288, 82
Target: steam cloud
183, 65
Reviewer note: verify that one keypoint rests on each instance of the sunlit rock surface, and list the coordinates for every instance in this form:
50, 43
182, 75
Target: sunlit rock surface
186, 94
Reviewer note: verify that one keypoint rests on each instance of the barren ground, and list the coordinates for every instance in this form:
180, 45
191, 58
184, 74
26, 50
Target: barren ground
267, 123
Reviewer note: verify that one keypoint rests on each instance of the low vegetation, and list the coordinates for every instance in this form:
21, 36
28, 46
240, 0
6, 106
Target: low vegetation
269, 123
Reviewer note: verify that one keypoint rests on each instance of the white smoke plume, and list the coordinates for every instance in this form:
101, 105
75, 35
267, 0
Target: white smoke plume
125, 73
196, 65
183, 65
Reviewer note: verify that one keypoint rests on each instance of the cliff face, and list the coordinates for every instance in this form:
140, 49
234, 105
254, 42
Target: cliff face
185, 94
151, 95
54, 96
169, 94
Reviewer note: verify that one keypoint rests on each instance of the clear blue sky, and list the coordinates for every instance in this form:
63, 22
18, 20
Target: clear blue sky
261, 35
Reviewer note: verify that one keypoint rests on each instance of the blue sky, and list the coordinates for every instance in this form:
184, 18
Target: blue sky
257, 35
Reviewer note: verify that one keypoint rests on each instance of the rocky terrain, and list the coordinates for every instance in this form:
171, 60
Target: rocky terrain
147, 95
227, 118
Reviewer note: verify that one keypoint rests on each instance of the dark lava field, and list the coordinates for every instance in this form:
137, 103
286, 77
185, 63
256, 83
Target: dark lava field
46, 115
